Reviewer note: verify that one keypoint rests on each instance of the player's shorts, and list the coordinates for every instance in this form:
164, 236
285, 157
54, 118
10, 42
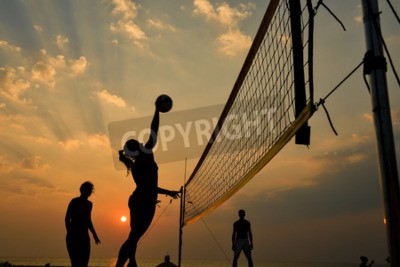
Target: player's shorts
242, 244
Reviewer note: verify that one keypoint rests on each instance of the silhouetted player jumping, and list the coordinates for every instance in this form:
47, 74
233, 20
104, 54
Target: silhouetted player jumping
139, 160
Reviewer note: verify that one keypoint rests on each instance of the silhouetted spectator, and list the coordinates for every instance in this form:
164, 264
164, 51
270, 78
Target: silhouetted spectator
78, 222
242, 239
167, 262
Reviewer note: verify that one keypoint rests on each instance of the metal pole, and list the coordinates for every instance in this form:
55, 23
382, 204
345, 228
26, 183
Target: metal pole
388, 173
182, 215
181, 225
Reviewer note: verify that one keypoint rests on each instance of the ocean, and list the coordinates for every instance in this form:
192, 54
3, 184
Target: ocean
185, 263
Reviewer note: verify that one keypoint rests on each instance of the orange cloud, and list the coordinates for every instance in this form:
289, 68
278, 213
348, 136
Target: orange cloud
8, 47
33, 163
79, 66
13, 84
233, 41
61, 41
111, 99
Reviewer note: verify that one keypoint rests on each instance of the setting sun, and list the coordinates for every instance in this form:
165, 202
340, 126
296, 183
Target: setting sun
123, 218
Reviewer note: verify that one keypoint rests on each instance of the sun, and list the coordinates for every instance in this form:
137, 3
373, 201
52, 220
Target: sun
123, 218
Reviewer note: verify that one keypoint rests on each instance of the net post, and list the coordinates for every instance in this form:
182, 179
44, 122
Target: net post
386, 154
181, 220
303, 135
182, 215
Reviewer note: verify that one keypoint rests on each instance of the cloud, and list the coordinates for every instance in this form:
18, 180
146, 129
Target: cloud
13, 84
44, 73
233, 41
368, 117
79, 66
111, 99
71, 144
204, 7
127, 8
358, 19
223, 14
8, 47
45, 70
61, 41
99, 140
37, 28
17, 83
33, 163
126, 26
158, 24
96, 141
130, 29
57, 62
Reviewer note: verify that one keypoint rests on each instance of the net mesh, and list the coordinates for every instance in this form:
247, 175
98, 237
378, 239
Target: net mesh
259, 118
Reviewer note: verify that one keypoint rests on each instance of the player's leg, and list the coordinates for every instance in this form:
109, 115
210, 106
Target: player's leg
235, 259
236, 253
73, 250
247, 253
124, 252
84, 251
141, 218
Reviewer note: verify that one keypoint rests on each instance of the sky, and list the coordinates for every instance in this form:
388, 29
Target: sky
69, 69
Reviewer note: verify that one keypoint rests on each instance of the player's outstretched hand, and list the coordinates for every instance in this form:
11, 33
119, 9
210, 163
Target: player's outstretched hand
174, 194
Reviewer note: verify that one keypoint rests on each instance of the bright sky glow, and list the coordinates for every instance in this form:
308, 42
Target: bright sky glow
70, 68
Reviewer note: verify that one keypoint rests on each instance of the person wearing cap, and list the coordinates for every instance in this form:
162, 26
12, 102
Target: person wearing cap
139, 160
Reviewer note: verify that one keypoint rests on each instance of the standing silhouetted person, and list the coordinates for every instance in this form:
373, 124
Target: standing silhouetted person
167, 262
242, 239
78, 222
139, 160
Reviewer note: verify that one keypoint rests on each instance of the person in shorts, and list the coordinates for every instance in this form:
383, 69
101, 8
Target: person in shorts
242, 239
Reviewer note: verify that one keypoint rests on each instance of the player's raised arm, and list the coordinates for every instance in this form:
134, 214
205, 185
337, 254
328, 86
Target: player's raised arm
163, 104
155, 123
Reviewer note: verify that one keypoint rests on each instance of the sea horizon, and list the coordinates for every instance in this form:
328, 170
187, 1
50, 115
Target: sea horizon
107, 262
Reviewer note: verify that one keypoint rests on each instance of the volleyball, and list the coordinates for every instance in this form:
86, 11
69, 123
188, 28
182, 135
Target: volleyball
164, 103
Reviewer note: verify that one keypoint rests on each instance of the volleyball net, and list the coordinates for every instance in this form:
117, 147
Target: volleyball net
270, 103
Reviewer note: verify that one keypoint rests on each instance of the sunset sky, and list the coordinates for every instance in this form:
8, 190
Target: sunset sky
70, 69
